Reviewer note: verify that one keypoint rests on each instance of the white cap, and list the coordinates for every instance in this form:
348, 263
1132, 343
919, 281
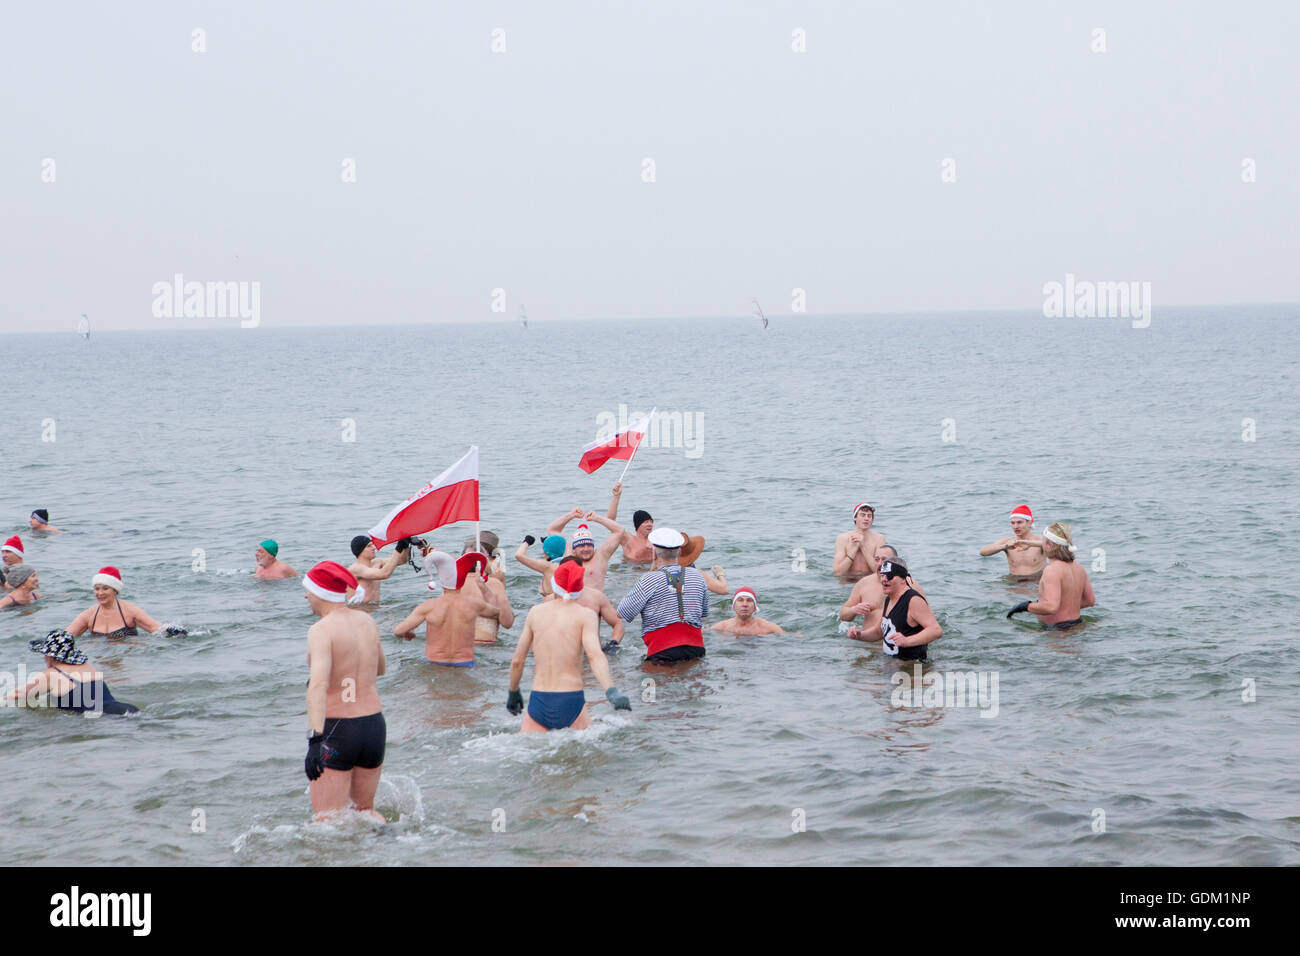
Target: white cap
666, 538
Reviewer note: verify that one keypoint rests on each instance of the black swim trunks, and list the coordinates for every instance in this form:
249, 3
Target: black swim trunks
674, 655
1066, 625
354, 742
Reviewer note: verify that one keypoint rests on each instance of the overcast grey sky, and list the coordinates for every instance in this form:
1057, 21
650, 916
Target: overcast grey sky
523, 169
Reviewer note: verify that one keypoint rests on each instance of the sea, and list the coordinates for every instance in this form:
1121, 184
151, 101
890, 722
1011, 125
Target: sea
1163, 731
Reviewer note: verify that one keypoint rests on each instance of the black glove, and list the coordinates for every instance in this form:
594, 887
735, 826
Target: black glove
404, 545
529, 539
315, 763
174, 630
515, 702
1018, 609
611, 646
618, 699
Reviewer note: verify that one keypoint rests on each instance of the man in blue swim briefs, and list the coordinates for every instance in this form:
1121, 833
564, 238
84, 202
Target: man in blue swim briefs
450, 619
558, 633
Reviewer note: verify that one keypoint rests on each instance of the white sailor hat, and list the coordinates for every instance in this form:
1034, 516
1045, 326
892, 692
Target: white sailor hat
666, 538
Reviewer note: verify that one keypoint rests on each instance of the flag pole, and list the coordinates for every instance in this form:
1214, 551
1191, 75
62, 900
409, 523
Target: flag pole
649, 419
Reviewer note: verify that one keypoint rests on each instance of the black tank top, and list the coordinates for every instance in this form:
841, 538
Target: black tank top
894, 621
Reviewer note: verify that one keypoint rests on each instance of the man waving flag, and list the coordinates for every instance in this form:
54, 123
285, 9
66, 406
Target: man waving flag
621, 445
451, 497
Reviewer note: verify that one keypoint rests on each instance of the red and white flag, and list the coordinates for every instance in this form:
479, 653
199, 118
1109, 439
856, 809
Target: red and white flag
622, 445
451, 497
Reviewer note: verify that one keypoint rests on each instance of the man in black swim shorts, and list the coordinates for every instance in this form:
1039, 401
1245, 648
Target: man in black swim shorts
345, 742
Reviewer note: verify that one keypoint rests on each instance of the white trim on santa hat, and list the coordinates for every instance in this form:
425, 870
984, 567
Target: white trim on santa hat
18, 550
1023, 512
745, 592
108, 580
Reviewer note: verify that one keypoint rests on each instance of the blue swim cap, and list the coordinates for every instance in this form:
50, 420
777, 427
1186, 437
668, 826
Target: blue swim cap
553, 546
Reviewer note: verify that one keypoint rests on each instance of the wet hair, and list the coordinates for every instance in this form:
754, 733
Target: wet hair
1058, 552
570, 557
892, 550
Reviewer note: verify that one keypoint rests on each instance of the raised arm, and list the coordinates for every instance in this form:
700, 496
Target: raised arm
535, 564
616, 534
617, 493
556, 526
717, 585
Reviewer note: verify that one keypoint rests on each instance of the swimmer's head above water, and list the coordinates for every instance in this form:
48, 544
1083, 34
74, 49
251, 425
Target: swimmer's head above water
641, 517
13, 550
744, 603
267, 552
359, 545
667, 544
567, 580
38, 519
1058, 542
863, 515
107, 584
1021, 519
327, 583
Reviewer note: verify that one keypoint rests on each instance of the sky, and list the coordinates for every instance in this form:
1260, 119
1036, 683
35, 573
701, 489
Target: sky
909, 157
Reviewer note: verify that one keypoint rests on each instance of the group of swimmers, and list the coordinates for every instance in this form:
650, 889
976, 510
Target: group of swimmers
347, 735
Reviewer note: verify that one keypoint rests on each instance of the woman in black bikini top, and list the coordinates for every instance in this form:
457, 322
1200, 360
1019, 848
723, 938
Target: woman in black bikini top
107, 583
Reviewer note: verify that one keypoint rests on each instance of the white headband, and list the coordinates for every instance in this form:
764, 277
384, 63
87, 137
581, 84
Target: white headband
1058, 540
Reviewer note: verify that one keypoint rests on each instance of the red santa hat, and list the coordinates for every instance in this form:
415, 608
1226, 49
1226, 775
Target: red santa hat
14, 544
567, 580
745, 592
329, 581
859, 506
465, 564
109, 577
1023, 512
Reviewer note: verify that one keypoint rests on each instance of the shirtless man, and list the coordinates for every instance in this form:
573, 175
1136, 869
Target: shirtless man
907, 625
746, 623
1064, 589
854, 549
269, 565
346, 731
636, 546
598, 601
559, 633
448, 619
867, 597
39, 520
595, 561
1025, 557
370, 574
493, 590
